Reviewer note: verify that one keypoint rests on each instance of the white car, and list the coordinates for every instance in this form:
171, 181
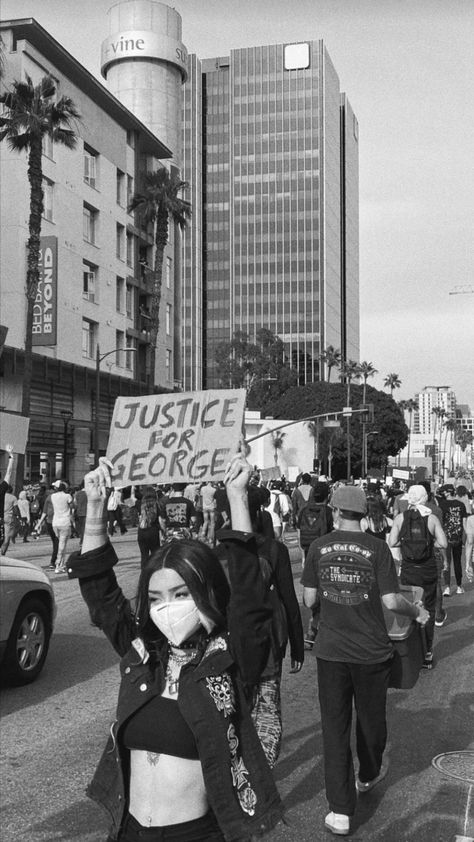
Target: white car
27, 614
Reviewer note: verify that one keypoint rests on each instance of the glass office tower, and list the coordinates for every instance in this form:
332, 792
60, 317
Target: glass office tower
279, 187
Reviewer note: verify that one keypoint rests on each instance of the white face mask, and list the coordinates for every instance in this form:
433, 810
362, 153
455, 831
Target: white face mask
177, 620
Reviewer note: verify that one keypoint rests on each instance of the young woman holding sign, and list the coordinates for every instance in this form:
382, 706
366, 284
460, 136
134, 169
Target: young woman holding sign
183, 762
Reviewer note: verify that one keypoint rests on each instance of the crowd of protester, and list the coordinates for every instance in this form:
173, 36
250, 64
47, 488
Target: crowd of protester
364, 546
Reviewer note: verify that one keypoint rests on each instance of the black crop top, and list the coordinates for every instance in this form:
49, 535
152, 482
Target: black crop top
160, 727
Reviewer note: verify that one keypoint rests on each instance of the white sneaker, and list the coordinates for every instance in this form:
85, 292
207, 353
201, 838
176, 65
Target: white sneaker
447, 592
337, 823
459, 589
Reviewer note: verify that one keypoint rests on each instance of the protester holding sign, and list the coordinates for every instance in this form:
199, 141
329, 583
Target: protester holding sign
174, 438
191, 656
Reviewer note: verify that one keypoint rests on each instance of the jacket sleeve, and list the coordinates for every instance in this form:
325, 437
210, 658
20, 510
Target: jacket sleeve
108, 608
249, 614
286, 591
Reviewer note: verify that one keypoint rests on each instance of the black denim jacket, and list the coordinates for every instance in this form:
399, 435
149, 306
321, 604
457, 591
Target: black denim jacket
212, 696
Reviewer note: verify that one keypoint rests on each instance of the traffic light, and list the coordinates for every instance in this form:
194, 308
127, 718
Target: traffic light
367, 414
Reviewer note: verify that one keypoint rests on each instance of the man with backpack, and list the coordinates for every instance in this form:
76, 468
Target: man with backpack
314, 520
417, 531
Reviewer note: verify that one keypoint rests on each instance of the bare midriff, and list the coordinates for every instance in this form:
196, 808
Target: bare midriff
165, 789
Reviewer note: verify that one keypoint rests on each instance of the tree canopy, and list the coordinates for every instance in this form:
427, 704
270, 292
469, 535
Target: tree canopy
261, 367
315, 398
156, 204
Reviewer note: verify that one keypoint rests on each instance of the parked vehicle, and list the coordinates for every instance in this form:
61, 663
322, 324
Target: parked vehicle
27, 614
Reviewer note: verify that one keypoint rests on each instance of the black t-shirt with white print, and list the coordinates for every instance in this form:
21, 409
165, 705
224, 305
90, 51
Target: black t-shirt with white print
351, 571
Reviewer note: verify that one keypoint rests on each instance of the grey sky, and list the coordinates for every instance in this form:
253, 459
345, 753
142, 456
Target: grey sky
407, 67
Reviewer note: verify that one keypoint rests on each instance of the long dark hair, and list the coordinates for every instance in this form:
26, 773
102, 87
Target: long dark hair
202, 573
375, 513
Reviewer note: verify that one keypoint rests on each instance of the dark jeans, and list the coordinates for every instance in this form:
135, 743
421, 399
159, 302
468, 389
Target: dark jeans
55, 540
453, 553
426, 578
204, 829
340, 684
115, 515
148, 541
80, 526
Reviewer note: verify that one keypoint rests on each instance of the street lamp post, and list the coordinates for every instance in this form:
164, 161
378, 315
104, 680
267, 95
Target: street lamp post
366, 436
66, 416
98, 359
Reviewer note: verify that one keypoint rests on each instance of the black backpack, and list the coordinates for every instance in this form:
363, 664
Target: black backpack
416, 541
313, 521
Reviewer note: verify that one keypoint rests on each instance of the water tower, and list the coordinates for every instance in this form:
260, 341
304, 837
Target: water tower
145, 64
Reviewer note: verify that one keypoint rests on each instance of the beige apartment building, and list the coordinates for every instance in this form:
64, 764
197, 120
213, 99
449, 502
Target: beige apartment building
91, 323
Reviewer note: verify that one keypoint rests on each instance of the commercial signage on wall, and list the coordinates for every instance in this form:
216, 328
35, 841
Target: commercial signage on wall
143, 44
45, 308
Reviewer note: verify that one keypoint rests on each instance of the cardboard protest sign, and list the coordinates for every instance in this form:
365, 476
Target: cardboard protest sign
14, 431
182, 437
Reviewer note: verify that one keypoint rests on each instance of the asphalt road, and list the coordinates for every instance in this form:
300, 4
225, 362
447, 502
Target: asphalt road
52, 734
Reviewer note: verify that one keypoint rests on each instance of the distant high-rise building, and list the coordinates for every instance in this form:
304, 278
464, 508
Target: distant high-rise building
275, 198
429, 399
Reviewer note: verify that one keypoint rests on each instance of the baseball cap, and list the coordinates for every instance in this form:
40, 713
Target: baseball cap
57, 484
447, 489
350, 498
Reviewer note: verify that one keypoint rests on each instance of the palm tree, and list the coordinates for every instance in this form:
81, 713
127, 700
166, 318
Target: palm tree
439, 412
30, 113
349, 372
450, 425
331, 357
277, 442
392, 381
157, 202
411, 405
366, 370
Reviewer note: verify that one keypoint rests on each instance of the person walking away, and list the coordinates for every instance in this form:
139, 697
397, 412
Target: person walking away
314, 520
462, 494
376, 522
114, 509
417, 531
274, 510
285, 507
47, 519
299, 499
9, 520
454, 514
177, 514
61, 502
148, 532
183, 755
80, 511
286, 627
209, 508
4, 487
351, 574
440, 555
24, 514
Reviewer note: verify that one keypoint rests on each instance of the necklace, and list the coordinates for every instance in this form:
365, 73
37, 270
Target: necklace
176, 660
